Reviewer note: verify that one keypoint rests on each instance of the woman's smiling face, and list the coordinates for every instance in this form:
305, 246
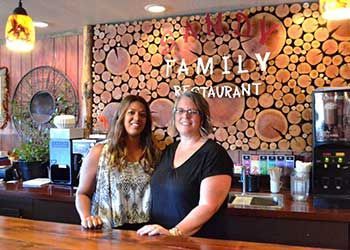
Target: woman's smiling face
135, 119
187, 117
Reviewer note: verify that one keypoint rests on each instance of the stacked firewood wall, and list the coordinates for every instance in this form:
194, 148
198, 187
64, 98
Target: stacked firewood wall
306, 53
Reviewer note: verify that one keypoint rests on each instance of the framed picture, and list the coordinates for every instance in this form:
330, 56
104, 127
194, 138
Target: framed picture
3, 96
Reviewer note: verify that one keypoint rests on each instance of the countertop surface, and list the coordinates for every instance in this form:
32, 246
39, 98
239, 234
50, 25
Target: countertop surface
28, 234
303, 210
47, 192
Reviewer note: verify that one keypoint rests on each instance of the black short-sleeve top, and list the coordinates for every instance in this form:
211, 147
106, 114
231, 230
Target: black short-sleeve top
175, 191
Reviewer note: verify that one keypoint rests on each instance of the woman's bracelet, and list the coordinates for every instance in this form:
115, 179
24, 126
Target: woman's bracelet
175, 231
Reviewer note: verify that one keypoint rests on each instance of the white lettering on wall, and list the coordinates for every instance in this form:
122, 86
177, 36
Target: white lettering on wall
169, 65
240, 66
263, 62
219, 91
226, 71
200, 66
203, 69
183, 68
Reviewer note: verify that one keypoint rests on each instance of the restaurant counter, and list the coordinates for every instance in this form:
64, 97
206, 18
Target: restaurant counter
18, 233
297, 223
50, 202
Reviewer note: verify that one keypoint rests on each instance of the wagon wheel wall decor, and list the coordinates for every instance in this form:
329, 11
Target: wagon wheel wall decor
41, 94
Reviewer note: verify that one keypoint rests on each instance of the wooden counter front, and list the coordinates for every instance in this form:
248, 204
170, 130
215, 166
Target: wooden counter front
291, 210
22, 233
297, 223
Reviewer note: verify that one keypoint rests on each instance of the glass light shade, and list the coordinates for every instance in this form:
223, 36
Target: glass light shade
155, 8
20, 33
335, 9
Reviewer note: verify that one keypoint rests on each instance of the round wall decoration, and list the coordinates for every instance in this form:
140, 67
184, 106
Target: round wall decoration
41, 94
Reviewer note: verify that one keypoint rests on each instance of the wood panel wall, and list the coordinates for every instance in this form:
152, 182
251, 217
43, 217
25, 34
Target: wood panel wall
64, 53
306, 52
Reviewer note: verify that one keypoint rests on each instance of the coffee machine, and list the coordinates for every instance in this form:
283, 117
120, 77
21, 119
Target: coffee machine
63, 164
331, 148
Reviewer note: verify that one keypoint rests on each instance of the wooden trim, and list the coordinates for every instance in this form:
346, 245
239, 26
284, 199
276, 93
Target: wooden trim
86, 79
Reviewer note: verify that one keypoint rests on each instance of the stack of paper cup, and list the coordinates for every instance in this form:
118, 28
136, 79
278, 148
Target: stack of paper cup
304, 167
275, 176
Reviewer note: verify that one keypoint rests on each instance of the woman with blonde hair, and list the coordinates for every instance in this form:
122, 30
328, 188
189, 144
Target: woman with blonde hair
191, 183
114, 185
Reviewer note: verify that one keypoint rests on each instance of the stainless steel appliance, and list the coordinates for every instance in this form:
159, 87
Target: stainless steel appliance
81, 148
331, 148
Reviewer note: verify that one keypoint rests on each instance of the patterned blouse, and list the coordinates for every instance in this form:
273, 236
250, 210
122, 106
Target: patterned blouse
121, 197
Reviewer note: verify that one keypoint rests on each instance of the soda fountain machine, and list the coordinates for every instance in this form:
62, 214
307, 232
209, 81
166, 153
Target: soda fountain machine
331, 148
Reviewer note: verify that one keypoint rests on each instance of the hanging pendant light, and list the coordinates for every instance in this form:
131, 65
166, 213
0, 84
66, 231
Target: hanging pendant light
20, 32
335, 9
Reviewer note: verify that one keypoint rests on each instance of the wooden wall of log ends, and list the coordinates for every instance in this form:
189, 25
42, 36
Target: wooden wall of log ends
161, 109
306, 53
225, 111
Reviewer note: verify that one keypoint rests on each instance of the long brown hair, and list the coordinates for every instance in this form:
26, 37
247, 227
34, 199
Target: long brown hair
117, 135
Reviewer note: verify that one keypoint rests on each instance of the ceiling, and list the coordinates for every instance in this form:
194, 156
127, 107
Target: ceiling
69, 16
